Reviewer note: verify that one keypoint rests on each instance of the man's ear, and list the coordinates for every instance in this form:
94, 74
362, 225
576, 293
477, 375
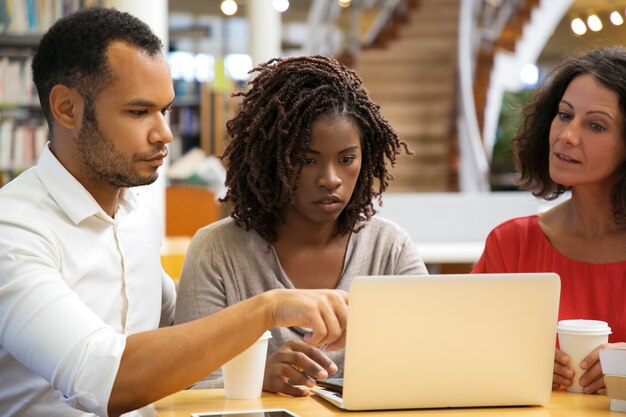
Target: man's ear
66, 105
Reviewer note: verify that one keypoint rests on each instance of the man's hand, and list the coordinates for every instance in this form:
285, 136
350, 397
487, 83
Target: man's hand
325, 312
299, 363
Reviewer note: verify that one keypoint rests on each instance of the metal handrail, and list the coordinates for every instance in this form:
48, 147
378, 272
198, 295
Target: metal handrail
495, 14
387, 10
324, 14
319, 25
474, 163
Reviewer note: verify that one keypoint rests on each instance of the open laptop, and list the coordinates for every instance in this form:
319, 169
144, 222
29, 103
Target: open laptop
449, 341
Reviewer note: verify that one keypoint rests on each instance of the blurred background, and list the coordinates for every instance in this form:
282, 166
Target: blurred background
451, 77
416, 57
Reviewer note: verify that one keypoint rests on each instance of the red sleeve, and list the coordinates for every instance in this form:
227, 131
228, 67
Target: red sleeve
505, 245
491, 261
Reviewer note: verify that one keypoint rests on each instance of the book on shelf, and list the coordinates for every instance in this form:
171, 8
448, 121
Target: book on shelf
16, 83
21, 144
36, 16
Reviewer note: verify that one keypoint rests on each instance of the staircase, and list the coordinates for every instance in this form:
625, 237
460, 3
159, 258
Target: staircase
506, 41
413, 79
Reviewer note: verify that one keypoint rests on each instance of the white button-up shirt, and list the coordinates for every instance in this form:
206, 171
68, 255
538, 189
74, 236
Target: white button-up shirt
73, 283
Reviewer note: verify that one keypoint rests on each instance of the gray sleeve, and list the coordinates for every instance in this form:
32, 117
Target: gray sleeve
168, 300
201, 289
407, 261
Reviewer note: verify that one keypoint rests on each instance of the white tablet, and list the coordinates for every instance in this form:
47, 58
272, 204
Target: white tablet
273, 412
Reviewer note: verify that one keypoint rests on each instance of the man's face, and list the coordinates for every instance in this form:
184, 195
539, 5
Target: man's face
122, 143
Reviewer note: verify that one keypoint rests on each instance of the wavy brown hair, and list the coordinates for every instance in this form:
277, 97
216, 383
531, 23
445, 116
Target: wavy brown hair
272, 130
531, 144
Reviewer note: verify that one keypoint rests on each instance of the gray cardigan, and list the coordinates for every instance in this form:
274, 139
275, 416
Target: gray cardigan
226, 264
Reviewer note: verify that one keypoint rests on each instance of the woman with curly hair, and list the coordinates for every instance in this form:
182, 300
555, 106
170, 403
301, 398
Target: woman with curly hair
573, 138
308, 154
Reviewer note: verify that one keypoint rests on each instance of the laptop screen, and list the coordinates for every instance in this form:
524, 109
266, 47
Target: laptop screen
450, 341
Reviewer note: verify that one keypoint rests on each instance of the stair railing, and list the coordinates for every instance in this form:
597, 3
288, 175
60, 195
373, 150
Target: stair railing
325, 36
322, 24
480, 24
473, 164
384, 16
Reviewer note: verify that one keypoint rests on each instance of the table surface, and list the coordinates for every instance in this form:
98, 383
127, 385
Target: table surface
562, 404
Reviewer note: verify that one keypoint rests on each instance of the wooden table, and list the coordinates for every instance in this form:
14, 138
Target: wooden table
562, 404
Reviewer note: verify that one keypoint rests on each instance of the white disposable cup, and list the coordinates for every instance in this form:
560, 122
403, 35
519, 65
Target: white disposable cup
578, 338
243, 374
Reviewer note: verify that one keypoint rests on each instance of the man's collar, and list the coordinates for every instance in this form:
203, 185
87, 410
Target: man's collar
70, 194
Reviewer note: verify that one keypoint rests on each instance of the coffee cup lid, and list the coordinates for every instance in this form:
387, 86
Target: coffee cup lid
585, 327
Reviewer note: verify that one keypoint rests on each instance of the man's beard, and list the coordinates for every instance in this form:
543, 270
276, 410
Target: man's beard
104, 163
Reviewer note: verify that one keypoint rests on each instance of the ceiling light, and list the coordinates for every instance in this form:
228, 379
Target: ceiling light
529, 74
280, 5
578, 26
594, 23
616, 18
228, 7
344, 3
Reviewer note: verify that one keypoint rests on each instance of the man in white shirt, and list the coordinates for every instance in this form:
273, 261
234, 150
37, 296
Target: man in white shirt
82, 291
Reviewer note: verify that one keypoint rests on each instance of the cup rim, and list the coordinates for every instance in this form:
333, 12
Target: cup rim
583, 327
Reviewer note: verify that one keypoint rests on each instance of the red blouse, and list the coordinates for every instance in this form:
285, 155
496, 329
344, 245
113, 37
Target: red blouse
588, 291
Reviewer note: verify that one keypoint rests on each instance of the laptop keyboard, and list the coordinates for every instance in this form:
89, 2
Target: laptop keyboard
331, 384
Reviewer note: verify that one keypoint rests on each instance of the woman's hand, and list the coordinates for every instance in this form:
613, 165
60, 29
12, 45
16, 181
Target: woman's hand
299, 363
592, 380
563, 375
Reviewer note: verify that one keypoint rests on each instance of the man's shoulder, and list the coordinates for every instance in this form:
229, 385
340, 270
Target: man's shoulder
22, 195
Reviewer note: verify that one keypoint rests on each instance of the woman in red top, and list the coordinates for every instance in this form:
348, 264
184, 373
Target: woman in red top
573, 138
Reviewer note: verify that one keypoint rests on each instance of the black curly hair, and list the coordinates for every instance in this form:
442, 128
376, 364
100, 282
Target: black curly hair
531, 144
272, 131
73, 52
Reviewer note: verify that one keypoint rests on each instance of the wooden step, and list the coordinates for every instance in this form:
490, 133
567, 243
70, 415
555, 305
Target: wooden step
420, 175
427, 152
418, 32
388, 90
424, 45
434, 11
423, 115
422, 131
413, 187
380, 57
413, 79
437, 109
425, 28
404, 74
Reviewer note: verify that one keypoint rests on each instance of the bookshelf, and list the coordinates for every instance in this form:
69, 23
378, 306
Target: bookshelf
185, 117
23, 129
199, 115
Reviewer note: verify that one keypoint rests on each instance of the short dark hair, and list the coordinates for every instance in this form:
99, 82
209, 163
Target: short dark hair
531, 144
271, 132
73, 51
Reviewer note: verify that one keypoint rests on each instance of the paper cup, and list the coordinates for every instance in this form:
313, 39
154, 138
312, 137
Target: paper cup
578, 338
243, 374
